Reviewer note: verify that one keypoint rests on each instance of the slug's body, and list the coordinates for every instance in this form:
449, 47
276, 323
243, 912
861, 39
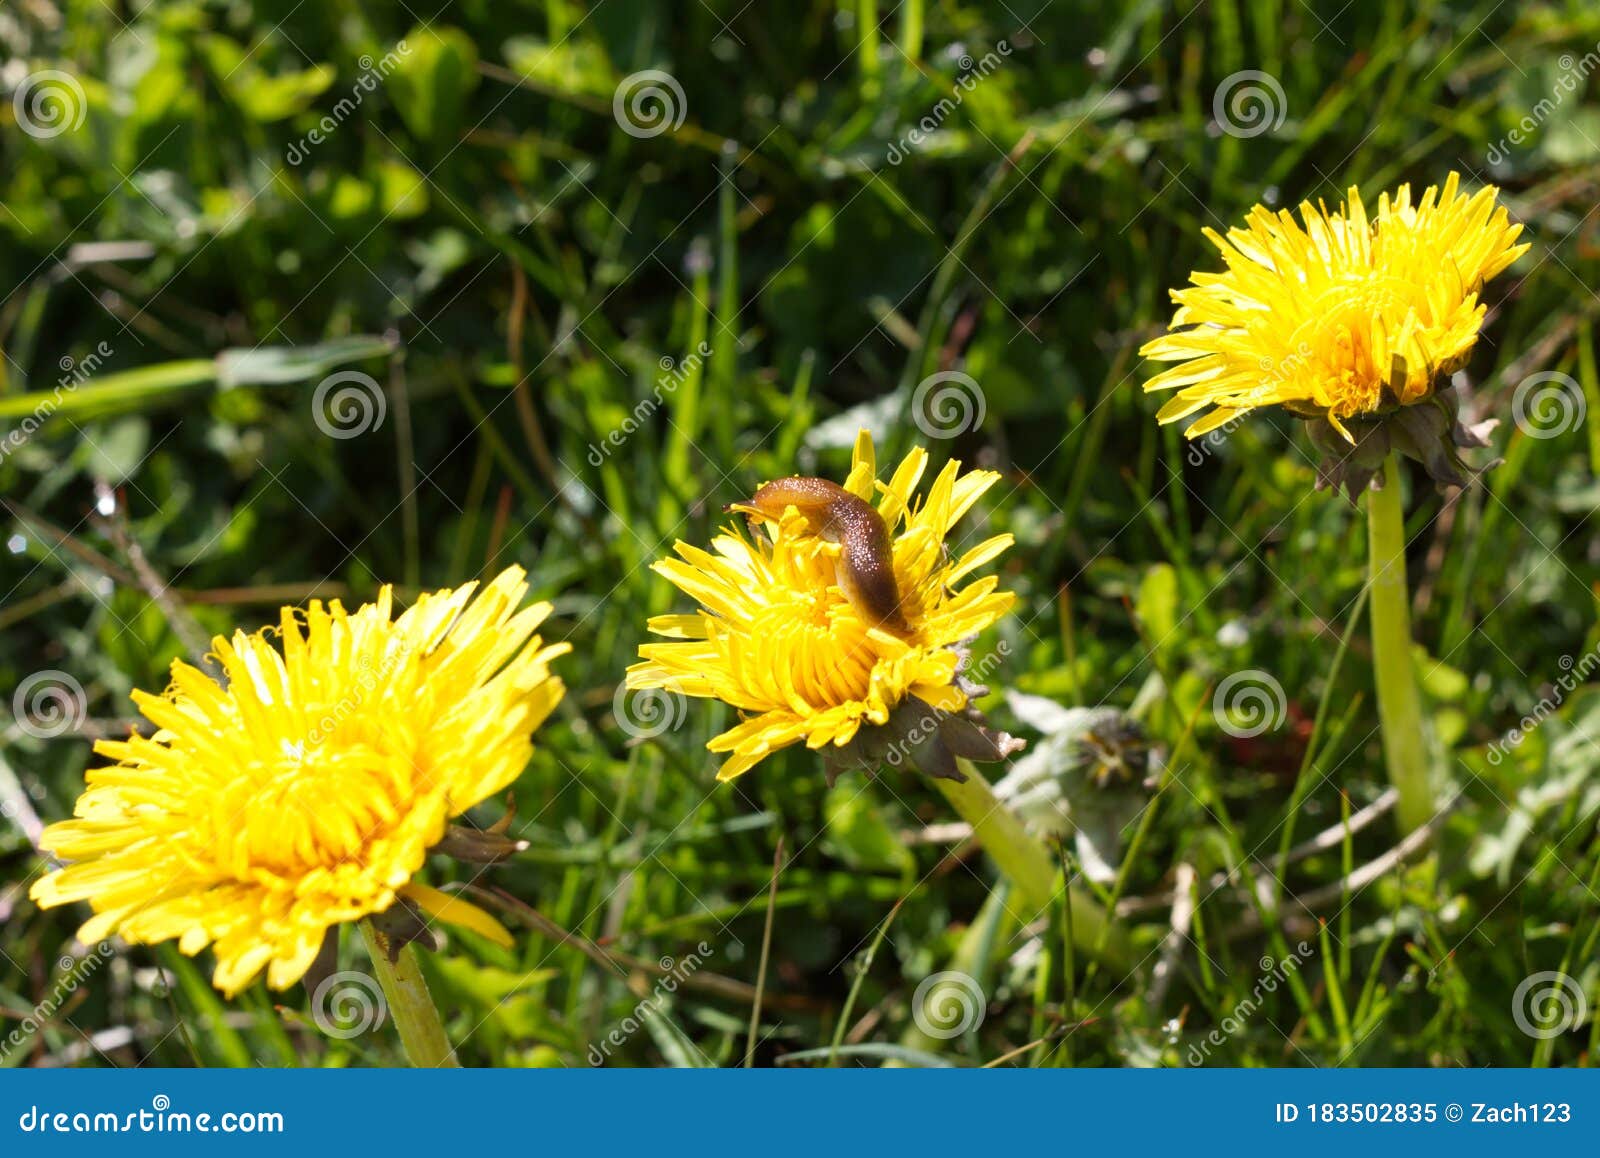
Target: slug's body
865, 570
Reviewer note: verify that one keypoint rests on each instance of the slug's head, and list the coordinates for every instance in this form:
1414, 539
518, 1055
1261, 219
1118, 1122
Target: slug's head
865, 567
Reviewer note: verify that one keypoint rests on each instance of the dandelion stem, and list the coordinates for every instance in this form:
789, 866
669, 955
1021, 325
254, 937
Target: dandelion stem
1028, 865
1399, 702
415, 1016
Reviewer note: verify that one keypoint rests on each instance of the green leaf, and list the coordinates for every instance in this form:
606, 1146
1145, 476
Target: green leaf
1157, 604
571, 67
1441, 683
262, 97
858, 835
402, 191
437, 70
275, 365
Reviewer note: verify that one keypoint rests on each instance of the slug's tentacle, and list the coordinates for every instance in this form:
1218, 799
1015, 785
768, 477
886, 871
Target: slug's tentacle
865, 570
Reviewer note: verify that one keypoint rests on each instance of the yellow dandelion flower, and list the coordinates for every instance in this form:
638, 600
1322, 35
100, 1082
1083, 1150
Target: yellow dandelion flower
777, 638
1340, 317
309, 789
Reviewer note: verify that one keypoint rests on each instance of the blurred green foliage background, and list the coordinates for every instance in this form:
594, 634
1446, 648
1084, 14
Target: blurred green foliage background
592, 317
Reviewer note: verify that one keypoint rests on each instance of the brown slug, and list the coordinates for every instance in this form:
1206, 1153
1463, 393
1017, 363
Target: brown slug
865, 569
